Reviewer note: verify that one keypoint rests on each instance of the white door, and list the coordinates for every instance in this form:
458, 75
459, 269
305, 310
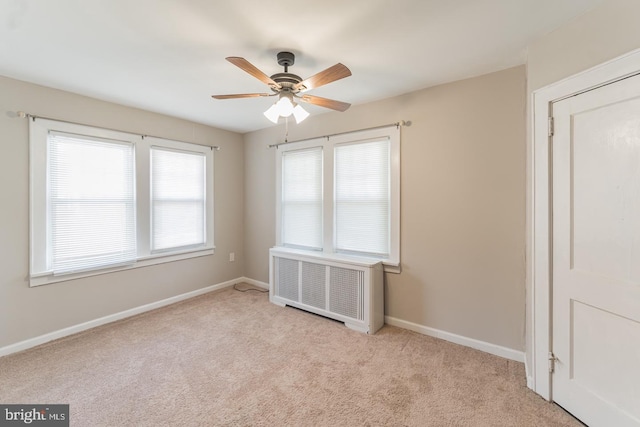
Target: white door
596, 254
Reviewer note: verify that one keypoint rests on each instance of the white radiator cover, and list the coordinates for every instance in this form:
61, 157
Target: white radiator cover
347, 289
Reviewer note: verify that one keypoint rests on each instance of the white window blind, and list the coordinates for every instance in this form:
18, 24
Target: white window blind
178, 199
362, 198
302, 198
90, 203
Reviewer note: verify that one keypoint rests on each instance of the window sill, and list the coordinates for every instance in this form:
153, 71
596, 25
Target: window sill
39, 279
392, 268
389, 266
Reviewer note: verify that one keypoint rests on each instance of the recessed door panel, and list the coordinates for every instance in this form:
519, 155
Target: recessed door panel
606, 190
597, 352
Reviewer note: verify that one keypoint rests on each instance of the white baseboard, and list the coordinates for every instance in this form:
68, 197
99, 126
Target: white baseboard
32, 342
254, 282
494, 349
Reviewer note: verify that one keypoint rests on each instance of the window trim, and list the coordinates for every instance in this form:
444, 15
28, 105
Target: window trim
392, 264
38, 131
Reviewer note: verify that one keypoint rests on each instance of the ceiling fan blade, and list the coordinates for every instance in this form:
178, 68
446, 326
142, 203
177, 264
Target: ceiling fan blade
242, 95
324, 102
331, 74
251, 69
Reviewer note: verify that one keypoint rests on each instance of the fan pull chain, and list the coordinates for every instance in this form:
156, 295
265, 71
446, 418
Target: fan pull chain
286, 130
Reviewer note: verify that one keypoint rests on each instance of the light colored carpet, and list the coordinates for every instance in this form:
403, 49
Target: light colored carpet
233, 359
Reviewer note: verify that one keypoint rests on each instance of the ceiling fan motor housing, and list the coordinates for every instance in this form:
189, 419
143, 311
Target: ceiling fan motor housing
286, 80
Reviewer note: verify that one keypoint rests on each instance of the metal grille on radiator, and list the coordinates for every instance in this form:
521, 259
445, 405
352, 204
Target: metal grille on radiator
306, 282
346, 291
314, 284
287, 283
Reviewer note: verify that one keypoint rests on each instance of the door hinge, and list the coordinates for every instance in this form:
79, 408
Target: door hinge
551, 128
552, 362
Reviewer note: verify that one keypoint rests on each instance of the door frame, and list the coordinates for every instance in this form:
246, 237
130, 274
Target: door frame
539, 209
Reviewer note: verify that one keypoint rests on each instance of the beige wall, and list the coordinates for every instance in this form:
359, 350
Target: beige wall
29, 312
606, 32
463, 203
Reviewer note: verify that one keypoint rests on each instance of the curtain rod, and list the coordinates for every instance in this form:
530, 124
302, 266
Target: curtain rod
22, 114
396, 124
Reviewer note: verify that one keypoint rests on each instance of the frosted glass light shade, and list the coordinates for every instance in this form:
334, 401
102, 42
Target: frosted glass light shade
300, 113
285, 107
272, 114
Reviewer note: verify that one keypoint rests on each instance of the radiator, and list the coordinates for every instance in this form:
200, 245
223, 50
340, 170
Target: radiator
347, 289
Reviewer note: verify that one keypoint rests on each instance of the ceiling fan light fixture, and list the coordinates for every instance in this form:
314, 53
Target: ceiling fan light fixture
285, 106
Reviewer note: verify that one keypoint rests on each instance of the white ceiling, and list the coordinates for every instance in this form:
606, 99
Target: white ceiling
168, 56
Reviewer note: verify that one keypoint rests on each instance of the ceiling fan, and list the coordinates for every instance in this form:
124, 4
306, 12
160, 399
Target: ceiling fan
290, 87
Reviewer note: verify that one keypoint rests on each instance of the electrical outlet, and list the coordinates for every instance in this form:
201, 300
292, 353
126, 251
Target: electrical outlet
232, 256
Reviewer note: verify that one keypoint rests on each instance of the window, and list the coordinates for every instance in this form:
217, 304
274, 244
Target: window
104, 200
341, 194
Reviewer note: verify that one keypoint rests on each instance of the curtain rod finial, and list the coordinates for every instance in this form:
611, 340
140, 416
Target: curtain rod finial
22, 114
